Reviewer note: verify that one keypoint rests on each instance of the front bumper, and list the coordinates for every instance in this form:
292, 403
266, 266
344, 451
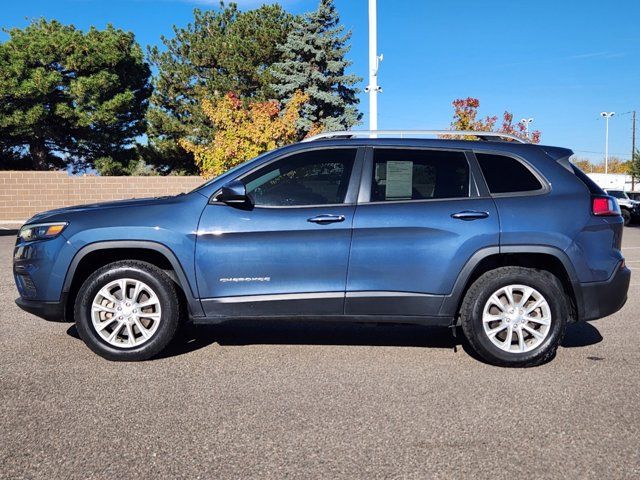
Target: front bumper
47, 310
601, 299
39, 268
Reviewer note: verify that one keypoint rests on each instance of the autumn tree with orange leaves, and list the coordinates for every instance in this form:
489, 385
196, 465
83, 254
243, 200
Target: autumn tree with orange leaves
465, 117
244, 130
616, 165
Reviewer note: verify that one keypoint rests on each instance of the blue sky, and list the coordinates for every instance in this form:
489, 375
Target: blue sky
561, 62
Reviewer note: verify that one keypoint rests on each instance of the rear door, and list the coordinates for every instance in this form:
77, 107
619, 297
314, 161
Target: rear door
421, 215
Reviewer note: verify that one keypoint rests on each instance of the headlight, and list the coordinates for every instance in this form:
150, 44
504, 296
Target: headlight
41, 231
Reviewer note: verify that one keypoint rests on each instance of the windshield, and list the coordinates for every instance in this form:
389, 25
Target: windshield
618, 194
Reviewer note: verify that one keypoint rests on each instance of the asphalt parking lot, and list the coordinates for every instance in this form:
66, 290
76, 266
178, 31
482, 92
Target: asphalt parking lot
317, 400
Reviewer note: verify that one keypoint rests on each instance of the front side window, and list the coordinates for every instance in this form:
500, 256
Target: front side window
317, 177
506, 174
406, 174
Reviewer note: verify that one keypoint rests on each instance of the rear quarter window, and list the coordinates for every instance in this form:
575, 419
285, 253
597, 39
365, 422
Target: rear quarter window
506, 174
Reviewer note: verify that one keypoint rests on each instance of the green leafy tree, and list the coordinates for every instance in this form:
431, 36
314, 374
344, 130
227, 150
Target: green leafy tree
634, 166
314, 63
220, 51
69, 97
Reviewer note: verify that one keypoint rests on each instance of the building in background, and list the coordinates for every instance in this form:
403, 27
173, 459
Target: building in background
613, 181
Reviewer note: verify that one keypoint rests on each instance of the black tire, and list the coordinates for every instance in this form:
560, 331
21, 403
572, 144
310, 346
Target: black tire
156, 279
626, 216
479, 293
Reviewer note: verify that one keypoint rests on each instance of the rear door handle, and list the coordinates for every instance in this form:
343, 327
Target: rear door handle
324, 219
470, 215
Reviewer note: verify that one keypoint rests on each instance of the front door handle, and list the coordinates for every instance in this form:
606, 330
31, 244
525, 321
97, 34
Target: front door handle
470, 215
324, 219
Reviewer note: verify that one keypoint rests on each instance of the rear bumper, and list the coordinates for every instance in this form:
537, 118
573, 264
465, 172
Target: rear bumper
601, 299
47, 310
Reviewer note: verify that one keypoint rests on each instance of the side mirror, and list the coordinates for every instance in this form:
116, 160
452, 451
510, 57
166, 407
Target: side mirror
233, 193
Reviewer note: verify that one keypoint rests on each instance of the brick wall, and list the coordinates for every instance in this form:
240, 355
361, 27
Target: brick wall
22, 194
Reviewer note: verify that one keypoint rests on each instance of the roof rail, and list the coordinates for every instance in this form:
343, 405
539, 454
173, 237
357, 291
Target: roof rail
414, 133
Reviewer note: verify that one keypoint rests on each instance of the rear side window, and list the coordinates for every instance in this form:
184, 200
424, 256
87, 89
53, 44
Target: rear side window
507, 175
407, 174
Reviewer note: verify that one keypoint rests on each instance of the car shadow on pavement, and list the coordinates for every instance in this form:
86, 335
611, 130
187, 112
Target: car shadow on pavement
581, 334
282, 332
8, 232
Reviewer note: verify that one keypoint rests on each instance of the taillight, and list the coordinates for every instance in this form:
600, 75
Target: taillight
605, 206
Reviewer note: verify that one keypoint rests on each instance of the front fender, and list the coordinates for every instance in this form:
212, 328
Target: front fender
187, 284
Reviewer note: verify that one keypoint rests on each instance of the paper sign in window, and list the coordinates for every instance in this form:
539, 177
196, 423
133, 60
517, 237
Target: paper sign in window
399, 179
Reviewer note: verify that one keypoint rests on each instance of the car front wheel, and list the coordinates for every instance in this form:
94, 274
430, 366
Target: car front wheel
626, 216
515, 316
127, 311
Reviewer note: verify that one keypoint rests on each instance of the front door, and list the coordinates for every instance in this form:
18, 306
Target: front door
288, 253
420, 218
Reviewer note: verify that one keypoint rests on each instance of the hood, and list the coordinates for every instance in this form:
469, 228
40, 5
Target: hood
61, 212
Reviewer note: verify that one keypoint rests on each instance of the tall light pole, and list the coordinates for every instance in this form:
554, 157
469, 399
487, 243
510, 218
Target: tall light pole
526, 122
633, 146
607, 116
374, 64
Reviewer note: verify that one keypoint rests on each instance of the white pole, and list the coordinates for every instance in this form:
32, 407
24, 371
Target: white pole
606, 146
373, 65
607, 116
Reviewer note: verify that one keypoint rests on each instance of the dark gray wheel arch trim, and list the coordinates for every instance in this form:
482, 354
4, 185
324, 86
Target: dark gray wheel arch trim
195, 308
452, 302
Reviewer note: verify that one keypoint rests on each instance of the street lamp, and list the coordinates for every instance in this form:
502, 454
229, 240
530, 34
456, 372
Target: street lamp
526, 122
374, 64
607, 116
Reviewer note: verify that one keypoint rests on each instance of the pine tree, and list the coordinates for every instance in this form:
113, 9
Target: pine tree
222, 50
314, 63
70, 98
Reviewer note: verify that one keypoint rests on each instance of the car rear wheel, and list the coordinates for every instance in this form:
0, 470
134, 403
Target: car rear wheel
127, 311
515, 316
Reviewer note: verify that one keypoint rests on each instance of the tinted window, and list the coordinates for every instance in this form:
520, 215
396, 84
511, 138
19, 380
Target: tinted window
403, 174
506, 174
617, 193
318, 177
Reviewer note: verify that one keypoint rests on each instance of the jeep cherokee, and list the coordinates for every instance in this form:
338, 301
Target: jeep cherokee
508, 241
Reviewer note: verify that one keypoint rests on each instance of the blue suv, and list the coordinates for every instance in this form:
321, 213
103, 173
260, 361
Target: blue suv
508, 241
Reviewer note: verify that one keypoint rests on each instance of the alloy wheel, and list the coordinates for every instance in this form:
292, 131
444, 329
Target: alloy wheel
517, 318
126, 313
